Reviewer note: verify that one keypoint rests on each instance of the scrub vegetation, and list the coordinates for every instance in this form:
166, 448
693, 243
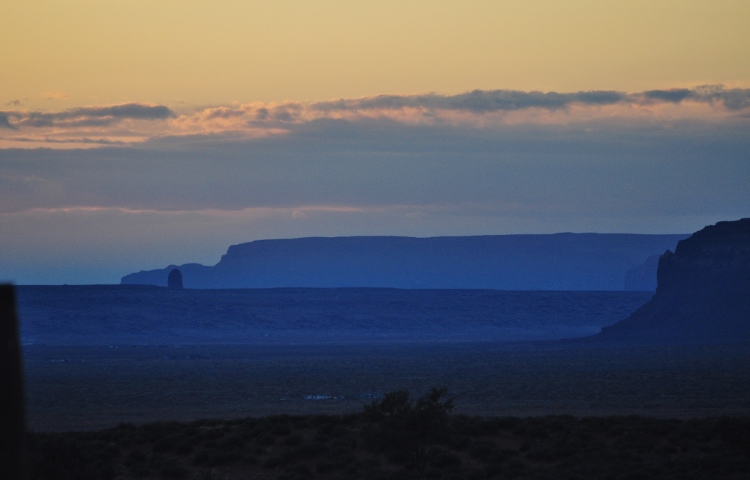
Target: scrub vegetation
397, 437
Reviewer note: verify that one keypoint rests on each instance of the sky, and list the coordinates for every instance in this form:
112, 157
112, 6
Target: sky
137, 134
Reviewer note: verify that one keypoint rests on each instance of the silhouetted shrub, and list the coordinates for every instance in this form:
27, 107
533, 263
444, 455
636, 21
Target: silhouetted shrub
312, 450
207, 434
168, 443
281, 430
401, 427
324, 466
300, 423
297, 471
293, 440
273, 462
442, 459
232, 441
213, 458
173, 471
66, 457
459, 442
483, 450
136, 462
331, 429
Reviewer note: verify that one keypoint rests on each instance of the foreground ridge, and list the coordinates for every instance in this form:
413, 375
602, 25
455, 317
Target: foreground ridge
352, 446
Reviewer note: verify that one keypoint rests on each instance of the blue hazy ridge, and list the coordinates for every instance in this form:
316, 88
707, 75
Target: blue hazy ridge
146, 315
564, 261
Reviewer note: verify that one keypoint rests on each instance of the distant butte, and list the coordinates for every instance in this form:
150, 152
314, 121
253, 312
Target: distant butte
174, 280
702, 293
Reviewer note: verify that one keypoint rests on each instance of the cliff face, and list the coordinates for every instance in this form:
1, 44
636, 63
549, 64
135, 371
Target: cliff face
702, 293
713, 261
563, 261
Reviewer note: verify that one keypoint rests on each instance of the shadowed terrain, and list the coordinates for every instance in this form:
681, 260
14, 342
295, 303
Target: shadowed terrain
135, 315
399, 438
73, 388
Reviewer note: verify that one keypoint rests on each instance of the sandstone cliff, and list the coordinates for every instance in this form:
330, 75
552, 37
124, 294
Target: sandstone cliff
702, 294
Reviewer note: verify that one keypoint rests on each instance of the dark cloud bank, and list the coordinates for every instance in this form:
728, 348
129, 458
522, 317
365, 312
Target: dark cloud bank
481, 101
86, 116
477, 102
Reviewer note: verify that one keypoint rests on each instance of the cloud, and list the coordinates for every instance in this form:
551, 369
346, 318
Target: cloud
733, 99
485, 101
675, 95
5, 123
92, 116
72, 140
55, 95
479, 109
477, 101
483, 107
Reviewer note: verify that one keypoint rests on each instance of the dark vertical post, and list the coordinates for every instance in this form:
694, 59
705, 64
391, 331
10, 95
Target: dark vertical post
13, 461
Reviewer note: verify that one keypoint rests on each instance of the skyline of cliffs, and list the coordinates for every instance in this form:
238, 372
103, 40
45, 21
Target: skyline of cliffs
563, 261
702, 292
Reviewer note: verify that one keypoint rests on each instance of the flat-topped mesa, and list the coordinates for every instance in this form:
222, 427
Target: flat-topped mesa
564, 261
702, 293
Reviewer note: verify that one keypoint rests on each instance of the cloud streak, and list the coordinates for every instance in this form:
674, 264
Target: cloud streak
138, 122
477, 101
734, 99
89, 116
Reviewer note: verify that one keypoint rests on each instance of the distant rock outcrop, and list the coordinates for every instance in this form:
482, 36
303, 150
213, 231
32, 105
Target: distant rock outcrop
703, 292
174, 280
563, 261
643, 277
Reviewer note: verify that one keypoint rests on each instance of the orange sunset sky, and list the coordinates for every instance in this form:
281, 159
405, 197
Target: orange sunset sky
135, 134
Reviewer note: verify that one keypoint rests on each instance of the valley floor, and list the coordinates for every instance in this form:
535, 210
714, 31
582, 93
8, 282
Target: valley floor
87, 388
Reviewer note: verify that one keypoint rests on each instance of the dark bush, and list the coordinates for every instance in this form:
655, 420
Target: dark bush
232, 441
483, 450
300, 470
211, 457
281, 430
399, 426
207, 434
332, 430
184, 447
324, 466
442, 459
266, 440
273, 462
63, 457
173, 471
168, 443
311, 450
293, 440
460, 442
